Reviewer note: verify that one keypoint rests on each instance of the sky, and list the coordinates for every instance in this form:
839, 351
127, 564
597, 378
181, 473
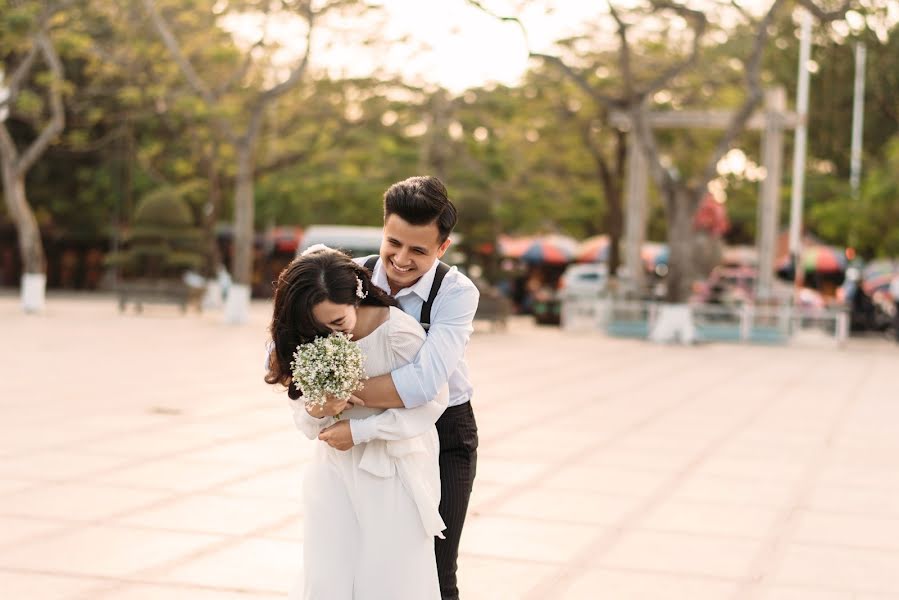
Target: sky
449, 42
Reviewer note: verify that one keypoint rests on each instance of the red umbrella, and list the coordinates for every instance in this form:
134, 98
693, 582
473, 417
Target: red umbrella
594, 249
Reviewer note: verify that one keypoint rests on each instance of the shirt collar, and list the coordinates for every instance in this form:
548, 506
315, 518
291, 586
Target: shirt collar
422, 287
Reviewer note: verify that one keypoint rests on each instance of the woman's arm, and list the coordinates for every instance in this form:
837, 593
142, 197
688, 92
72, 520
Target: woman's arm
309, 425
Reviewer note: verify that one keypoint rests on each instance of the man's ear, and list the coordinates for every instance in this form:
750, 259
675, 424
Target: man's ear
442, 249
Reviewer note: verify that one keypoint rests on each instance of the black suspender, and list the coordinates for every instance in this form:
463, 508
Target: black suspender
425, 318
442, 270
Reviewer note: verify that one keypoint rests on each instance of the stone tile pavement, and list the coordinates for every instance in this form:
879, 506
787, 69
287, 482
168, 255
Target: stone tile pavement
142, 458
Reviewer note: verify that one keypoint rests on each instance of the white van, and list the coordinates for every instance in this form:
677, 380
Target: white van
363, 241
583, 294
355, 240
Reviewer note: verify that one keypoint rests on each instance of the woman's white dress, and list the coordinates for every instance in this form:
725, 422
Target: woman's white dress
371, 513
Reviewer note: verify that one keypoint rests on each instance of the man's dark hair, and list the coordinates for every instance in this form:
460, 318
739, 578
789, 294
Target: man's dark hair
421, 201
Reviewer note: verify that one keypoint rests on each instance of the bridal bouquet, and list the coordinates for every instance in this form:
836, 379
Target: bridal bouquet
328, 366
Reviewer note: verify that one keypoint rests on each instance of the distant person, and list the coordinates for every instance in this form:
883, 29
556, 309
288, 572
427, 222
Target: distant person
894, 292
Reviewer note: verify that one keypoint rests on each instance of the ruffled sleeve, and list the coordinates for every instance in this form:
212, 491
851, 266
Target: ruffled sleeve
309, 425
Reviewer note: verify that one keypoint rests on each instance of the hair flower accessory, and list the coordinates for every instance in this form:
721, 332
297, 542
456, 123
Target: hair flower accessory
362, 295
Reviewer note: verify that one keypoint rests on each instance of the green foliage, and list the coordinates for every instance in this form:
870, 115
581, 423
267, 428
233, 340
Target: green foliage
869, 223
514, 158
163, 208
163, 242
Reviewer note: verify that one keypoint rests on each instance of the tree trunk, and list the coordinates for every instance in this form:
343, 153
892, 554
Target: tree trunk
679, 206
31, 248
614, 225
211, 213
244, 214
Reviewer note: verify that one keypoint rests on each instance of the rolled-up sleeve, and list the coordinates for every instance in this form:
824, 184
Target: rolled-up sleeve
451, 327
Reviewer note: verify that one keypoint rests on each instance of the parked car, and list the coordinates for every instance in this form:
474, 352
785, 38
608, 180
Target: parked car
584, 280
578, 282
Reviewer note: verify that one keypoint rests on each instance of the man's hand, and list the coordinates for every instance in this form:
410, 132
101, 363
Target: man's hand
338, 436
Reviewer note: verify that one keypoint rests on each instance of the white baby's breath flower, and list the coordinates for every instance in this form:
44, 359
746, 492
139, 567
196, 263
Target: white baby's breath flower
328, 366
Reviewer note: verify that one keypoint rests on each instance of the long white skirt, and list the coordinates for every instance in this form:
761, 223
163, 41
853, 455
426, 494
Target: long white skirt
363, 535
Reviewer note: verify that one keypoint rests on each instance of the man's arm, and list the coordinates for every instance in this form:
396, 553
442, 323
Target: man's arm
380, 392
421, 381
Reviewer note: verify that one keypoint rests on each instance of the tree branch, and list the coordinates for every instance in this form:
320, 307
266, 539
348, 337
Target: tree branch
516, 20
624, 55
297, 74
822, 15
57, 119
753, 98
168, 38
577, 78
699, 26
601, 99
19, 75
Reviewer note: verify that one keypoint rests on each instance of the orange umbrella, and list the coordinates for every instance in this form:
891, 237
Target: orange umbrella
593, 249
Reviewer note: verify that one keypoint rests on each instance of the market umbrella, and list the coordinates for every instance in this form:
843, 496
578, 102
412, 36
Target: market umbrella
594, 249
654, 254
551, 249
879, 283
513, 247
878, 268
817, 259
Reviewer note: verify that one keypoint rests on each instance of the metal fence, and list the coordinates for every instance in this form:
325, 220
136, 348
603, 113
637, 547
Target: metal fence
712, 322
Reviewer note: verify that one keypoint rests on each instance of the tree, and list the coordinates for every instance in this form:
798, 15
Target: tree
685, 31
242, 125
606, 146
30, 26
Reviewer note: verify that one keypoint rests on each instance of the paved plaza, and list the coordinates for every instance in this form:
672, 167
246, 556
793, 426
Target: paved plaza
143, 458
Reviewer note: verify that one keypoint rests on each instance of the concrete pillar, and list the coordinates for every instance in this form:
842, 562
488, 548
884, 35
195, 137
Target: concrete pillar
635, 212
769, 199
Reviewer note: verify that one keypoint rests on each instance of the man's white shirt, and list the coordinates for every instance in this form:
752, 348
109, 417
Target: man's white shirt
442, 358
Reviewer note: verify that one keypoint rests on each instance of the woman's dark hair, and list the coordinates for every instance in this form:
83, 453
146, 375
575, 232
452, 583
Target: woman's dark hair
421, 201
307, 281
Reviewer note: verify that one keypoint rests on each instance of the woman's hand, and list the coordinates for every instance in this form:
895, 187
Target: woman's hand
339, 436
332, 407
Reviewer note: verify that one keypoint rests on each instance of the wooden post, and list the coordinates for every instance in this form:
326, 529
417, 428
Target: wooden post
769, 198
772, 121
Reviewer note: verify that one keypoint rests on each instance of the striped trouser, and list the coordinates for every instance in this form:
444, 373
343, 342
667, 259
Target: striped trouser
458, 463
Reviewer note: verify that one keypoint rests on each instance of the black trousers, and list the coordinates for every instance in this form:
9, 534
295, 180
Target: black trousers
458, 435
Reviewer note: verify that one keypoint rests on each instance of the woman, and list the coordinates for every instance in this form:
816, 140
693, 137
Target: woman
370, 510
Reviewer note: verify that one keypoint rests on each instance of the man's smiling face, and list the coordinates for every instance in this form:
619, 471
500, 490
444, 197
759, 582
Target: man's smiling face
409, 251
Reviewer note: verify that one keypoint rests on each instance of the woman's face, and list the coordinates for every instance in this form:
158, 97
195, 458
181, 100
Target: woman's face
336, 317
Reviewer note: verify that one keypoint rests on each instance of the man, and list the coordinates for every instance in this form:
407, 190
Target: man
418, 219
